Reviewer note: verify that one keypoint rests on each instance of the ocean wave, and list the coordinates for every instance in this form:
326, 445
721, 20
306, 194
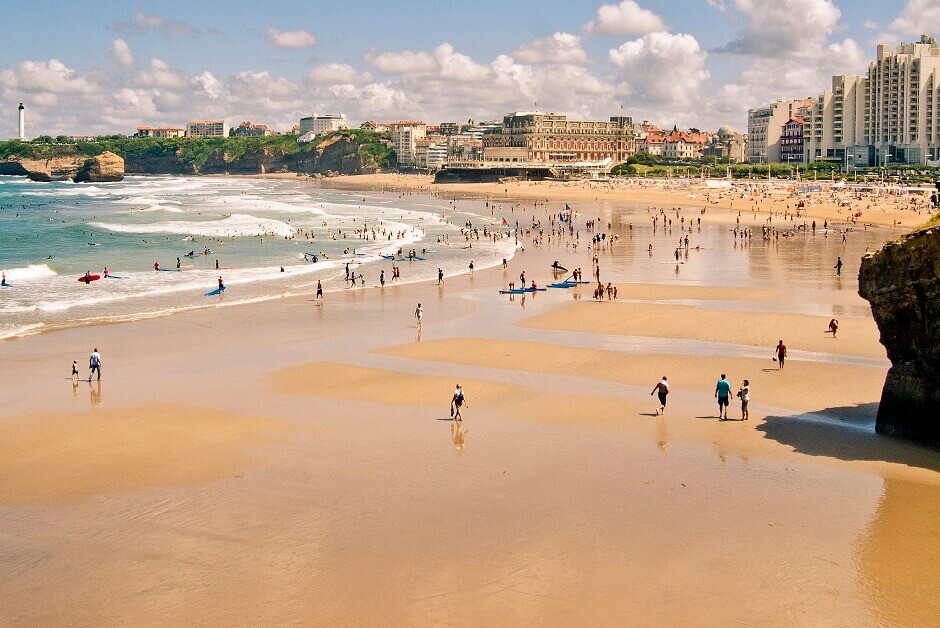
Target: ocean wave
236, 225
25, 273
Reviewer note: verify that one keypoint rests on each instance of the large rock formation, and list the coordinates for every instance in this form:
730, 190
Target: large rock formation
105, 167
902, 283
101, 169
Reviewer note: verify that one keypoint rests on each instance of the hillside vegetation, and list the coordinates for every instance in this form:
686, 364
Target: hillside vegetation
195, 154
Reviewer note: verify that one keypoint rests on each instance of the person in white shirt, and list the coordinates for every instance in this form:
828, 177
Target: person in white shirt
418, 314
94, 364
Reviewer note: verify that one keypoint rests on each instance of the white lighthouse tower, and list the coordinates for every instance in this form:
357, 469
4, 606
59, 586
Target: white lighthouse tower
21, 119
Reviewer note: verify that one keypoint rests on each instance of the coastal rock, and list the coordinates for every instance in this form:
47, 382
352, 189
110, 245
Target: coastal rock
104, 168
902, 283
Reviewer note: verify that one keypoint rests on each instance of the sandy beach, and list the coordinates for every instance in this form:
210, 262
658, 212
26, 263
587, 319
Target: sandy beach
289, 461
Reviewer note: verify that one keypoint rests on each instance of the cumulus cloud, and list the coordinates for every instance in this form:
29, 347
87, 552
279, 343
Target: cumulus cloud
50, 77
916, 18
300, 38
626, 18
121, 53
160, 75
662, 69
559, 48
403, 62
775, 29
143, 22
337, 73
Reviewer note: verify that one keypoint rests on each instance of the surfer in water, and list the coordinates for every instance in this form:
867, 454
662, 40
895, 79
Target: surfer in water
177, 263
4, 282
221, 284
156, 265
87, 277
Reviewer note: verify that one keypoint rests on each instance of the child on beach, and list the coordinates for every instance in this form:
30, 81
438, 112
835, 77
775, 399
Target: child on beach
833, 327
74, 370
745, 395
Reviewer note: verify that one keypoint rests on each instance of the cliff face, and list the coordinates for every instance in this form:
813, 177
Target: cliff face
104, 167
902, 283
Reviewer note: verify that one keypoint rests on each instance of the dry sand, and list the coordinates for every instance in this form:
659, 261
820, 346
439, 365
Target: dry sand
883, 211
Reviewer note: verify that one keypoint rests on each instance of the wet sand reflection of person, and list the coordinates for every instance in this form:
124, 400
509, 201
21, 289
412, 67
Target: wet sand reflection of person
458, 435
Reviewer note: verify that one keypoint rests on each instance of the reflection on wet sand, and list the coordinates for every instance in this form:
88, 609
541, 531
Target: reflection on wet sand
458, 435
898, 557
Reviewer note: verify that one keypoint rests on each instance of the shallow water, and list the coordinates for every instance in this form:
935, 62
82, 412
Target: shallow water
52, 233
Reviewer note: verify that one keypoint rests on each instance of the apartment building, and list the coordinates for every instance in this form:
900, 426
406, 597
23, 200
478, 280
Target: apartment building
207, 128
791, 142
890, 115
404, 135
535, 137
160, 131
765, 124
323, 123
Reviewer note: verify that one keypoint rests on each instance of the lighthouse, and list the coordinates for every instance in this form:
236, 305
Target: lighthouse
21, 119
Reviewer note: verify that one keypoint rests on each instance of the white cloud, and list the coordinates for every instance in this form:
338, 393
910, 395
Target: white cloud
662, 69
121, 53
870, 24
50, 77
337, 73
300, 38
626, 18
403, 62
775, 29
143, 22
559, 48
161, 75
918, 17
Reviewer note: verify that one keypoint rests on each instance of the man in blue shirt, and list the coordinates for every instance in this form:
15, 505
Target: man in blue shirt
723, 392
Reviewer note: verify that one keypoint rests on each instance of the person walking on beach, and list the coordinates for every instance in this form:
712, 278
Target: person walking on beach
382, 277
457, 402
834, 327
94, 364
781, 352
75, 374
745, 395
319, 290
838, 267
471, 268
722, 392
419, 313
662, 388
440, 276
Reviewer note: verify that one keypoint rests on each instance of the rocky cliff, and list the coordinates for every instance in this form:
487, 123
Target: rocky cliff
105, 167
101, 169
902, 283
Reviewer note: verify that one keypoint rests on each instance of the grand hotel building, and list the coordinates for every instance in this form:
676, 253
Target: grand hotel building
548, 138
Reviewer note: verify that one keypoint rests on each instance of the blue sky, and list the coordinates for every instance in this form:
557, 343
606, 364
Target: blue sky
100, 67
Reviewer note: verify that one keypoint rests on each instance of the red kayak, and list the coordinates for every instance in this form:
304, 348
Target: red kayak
89, 278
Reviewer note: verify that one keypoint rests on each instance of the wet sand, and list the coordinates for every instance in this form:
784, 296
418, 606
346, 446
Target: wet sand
288, 462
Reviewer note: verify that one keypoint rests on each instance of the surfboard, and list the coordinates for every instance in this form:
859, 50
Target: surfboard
113, 277
522, 290
6, 285
559, 268
90, 278
212, 293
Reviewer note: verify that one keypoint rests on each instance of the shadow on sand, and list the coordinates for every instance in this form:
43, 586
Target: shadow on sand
847, 433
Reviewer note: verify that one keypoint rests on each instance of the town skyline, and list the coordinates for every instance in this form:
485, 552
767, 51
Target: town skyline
698, 65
